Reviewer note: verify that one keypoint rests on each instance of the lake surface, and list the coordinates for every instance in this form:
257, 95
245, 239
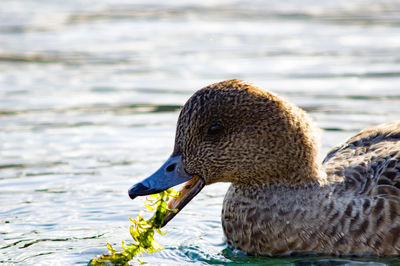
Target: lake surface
90, 93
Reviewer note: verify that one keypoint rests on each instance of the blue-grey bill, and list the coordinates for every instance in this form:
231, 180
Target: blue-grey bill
170, 174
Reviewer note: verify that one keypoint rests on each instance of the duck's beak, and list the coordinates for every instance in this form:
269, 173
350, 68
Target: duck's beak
170, 174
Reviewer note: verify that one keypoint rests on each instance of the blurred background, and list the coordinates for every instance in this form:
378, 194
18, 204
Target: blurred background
90, 93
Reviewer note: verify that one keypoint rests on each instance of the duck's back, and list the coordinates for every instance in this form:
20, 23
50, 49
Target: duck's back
369, 165
369, 162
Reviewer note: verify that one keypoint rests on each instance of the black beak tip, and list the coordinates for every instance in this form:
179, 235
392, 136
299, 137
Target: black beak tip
142, 190
131, 195
137, 190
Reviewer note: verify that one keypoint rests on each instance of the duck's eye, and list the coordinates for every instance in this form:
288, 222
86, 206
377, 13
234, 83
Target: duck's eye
215, 130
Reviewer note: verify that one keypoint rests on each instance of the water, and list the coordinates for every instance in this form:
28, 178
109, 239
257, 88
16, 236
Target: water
90, 94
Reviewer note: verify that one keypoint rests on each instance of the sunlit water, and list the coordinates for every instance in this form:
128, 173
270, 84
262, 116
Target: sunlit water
90, 93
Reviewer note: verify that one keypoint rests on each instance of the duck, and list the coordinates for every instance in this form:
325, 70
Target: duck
283, 198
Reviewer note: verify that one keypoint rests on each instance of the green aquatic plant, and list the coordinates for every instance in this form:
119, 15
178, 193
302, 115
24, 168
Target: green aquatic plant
142, 231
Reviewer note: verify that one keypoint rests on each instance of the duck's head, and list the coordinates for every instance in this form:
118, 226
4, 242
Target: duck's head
235, 132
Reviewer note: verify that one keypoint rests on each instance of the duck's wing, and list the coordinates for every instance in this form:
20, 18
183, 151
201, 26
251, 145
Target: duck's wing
368, 163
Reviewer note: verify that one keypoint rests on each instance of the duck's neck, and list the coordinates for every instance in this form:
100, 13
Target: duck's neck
305, 171
295, 157
302, 164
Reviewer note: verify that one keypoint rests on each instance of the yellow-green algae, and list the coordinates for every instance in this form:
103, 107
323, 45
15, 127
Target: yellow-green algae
142, 231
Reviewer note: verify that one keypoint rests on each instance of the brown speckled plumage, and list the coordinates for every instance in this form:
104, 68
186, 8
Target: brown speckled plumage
282, 198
